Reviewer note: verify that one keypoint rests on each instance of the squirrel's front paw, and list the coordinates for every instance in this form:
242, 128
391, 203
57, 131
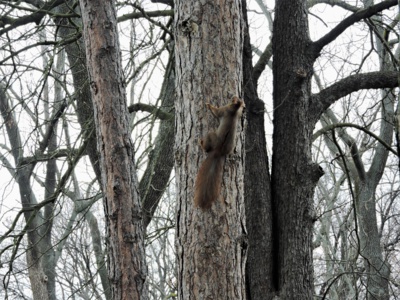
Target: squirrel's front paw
210, 106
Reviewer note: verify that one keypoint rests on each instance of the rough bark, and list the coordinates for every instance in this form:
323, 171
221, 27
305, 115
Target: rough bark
257, 184
152, 184
296, 111
127, 267
294, 176
84, 109
37, 277
211, 244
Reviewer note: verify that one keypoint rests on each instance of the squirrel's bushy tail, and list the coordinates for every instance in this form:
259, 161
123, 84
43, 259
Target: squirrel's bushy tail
209, 181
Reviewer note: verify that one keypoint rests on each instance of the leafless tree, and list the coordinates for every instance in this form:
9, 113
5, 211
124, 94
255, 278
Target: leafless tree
328, 78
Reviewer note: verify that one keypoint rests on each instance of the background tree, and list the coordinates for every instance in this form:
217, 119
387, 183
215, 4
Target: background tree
69, 33
259, 276
296, 112
346, 51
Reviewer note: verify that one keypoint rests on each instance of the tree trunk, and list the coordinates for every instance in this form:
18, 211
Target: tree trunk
294, 176
211, 243
37, 247
257, 184
127, 267
77, 61
161, 159
84, 110
37, 277
377, 269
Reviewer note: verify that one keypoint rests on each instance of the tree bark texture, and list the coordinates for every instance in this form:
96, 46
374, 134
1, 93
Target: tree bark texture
296, 112
294, 176
127, 267
77, 61
257, 184
211, 243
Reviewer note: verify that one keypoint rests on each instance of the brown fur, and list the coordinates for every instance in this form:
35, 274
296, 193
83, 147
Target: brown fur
218, 144
209, 181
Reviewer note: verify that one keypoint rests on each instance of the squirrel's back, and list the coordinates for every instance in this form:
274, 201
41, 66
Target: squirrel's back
218, 144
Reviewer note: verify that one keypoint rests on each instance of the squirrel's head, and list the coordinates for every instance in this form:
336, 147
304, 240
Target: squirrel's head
237, 105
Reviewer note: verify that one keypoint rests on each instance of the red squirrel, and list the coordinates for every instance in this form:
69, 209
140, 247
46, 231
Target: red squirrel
218, 144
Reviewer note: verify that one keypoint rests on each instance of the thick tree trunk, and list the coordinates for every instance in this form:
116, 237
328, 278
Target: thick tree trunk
151, 187
211, 243
294, 176
127, 267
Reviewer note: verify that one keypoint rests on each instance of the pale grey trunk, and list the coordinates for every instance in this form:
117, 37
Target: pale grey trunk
34, 219
376, 267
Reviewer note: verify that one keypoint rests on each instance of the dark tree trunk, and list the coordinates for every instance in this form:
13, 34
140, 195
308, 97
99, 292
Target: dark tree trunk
257, 185
161, 159
294, 176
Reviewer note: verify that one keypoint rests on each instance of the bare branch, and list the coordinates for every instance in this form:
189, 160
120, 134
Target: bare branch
353, 83
141, 14
35, 17
60, 153
166, 2
156, 111
339, 3
11, 126
50, 129
262, 62
329, 128
146, 15
36, 207
350, 20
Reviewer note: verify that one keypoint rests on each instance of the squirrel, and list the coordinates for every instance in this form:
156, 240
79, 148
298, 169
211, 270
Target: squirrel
218, 144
